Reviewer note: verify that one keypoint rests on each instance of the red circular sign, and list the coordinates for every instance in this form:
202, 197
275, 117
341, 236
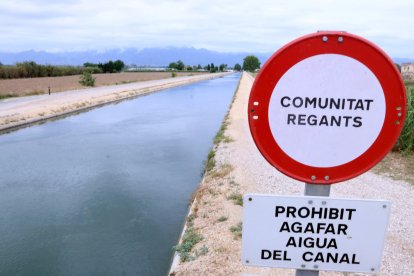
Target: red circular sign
327, 107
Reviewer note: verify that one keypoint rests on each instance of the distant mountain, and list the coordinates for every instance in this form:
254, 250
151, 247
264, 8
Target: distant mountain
144, 57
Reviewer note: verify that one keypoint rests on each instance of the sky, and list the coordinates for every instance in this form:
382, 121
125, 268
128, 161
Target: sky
256, 26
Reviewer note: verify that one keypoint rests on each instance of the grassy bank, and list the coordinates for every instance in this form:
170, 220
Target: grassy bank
187, 247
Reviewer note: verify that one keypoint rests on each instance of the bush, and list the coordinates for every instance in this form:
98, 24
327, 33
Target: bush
190, 239
86, 79
405, 142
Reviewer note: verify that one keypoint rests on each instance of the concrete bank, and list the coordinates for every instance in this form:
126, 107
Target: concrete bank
22, 111
216, 213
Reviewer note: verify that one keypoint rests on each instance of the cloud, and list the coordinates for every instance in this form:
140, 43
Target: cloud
226, 25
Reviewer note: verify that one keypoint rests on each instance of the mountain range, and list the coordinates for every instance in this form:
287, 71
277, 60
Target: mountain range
152, 57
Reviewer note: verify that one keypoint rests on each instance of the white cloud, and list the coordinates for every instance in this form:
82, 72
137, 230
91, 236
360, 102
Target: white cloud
223, 25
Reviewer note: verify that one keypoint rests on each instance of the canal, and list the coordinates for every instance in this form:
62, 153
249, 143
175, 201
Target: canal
106, 192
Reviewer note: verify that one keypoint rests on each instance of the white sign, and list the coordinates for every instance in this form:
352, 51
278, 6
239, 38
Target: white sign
314, 233
326, 110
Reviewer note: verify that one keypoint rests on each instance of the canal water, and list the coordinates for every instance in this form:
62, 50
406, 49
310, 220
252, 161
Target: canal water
106, 192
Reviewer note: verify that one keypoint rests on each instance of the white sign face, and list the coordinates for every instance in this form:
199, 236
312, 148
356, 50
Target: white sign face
326, 110
314, 233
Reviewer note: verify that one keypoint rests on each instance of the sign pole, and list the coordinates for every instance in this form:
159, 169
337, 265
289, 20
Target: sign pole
314, 190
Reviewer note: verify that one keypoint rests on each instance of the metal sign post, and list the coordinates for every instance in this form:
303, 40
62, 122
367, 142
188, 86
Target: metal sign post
314, 190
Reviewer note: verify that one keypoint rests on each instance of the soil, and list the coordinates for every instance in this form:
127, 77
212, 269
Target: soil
34, 86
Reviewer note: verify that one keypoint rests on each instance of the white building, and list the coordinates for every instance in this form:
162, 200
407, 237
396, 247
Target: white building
407, 70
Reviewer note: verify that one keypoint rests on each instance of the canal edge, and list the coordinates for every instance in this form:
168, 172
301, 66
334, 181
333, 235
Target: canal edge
194, 200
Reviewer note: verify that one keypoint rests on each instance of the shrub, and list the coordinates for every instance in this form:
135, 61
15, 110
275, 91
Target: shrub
405, 142
237, 230
190, 239
237, 198
86, 79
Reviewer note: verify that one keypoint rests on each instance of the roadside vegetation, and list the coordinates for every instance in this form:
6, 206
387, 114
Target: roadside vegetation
405, 142
30, 69
180, 66
251, 63
87, 80
399, 164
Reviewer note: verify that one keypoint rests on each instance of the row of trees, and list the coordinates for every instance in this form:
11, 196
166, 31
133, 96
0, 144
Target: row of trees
180, 66
107, 67
31, 69
250, 63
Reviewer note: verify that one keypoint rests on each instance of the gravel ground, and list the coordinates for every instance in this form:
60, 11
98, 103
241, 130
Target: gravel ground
240, 168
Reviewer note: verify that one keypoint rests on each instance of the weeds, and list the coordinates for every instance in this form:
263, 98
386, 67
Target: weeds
190, 239
405, 142
211, 162
237, 198
222, 219
224, 170
202, 251
220, 137
237, 230
6, 96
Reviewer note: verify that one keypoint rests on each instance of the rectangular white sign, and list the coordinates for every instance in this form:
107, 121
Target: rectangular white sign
314, 233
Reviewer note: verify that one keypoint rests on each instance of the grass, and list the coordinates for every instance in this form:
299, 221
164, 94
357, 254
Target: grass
222, 219
220, 137
237, 198
211, 162
190, 239
237, 230
223, 171
6, 96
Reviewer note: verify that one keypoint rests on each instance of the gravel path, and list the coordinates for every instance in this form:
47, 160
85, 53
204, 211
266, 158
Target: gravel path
20, 111
240, 168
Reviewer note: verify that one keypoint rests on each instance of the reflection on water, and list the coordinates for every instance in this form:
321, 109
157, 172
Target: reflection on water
106, 192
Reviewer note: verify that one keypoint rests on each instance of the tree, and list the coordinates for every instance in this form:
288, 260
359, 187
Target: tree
118, 65
398, 67
180, 65
173, 65
213, 68
251, 63
223, 67
237, 67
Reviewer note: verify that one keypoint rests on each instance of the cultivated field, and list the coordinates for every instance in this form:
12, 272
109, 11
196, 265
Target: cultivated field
33, 86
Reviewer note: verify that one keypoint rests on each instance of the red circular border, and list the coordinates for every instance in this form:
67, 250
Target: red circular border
280, 62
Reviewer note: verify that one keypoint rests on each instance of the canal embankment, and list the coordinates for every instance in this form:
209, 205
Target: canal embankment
23, 111
235, 167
